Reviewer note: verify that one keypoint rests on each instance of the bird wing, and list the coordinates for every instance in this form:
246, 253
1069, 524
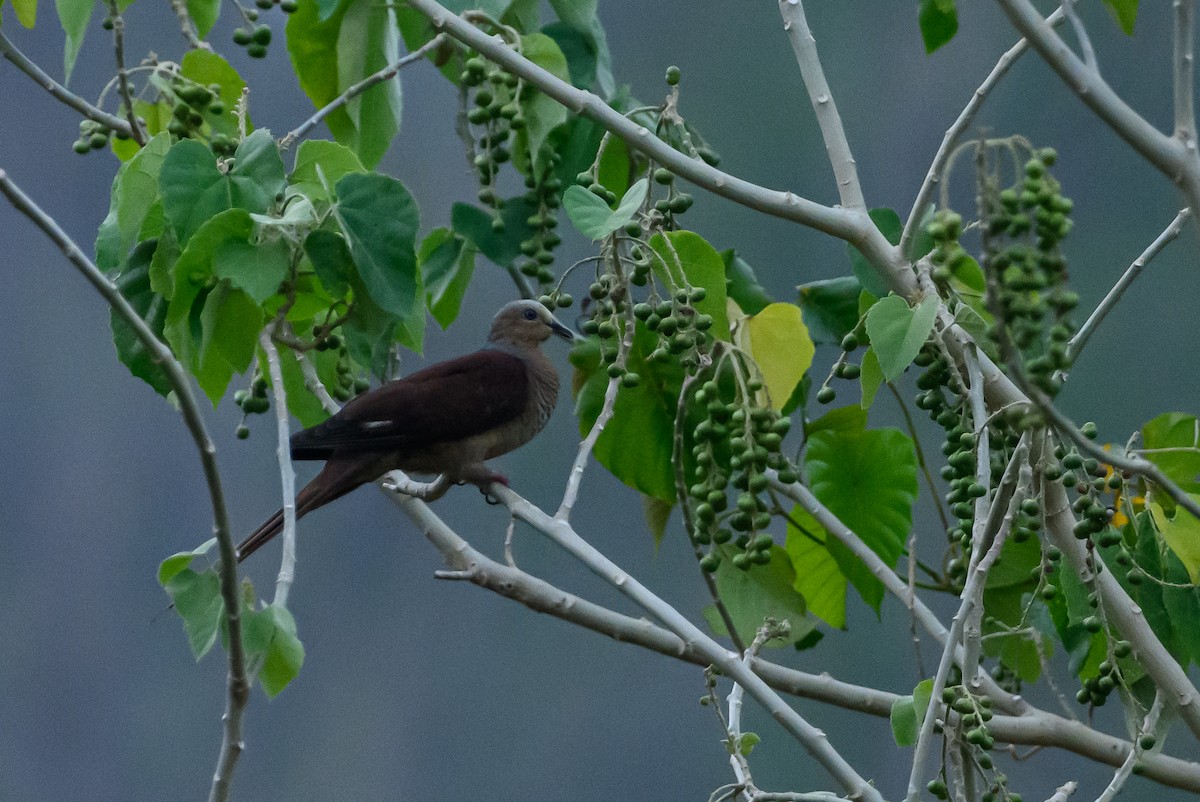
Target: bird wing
448, 401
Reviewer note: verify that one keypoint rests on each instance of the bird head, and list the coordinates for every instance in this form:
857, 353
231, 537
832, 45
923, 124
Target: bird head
527, 324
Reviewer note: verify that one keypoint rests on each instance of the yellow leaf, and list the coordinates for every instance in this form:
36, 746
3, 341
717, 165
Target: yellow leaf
1182, 535
780, 344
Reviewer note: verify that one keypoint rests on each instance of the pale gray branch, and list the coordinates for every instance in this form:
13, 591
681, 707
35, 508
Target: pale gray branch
238, 685
813, 74
60, 92
1185, 73
287, 475
1132, 272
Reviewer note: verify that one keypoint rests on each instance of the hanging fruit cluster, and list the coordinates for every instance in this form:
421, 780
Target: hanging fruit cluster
1023, 228
732, 448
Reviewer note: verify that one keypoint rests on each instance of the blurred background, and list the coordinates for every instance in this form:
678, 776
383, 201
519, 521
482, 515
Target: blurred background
415, 688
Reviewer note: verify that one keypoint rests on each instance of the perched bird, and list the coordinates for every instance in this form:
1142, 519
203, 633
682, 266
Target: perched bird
445, 419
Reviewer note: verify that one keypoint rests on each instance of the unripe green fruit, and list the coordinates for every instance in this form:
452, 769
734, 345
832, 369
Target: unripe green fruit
663, 176
242, 37
826, 394
242, 431
673, 75
256, 50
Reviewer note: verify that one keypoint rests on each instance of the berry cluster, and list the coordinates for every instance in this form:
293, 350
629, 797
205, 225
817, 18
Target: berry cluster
734, 446
192, 105
1023, 229
92, 136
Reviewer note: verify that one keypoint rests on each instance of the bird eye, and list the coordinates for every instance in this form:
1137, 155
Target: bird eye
530, 314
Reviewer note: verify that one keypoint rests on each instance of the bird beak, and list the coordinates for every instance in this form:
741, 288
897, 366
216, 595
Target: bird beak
562, 331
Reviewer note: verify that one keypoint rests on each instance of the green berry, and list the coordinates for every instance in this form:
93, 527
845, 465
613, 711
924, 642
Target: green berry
673, 75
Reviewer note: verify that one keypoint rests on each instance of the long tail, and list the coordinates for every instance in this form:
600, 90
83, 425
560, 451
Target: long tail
335, 480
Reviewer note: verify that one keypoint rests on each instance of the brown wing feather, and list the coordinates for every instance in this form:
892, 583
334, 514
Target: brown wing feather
441, 403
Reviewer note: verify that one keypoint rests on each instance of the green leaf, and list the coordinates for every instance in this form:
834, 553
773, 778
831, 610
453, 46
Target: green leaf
830, 308
897, 332
592, 216
1172, 442
908, 712
657, 512
272, 645
379, 218
502, 247
818, 578
581, 15
331, 52
257, 269
330, 257
889, 224
762, 591
197, 600
180, 560
74, 16
742, 285
1125, 13
206, 67
134, 192
190, 275
134, 284
870, 378
684, 254
194, 190
1182, 534
852, 419
447, 264
746, 742
781, 347
229, 324
636, 445
204, 13
939, 22
542, 113
26, 12
318, 157
869, 481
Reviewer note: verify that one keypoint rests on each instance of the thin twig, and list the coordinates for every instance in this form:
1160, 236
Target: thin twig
287, 475
892, 583
386, 74
1081, 34
575, 477
967, 116
972, 598
1132, 272
1185, 73
187, 27
1064, 792
813, 74
1149, 726
60, 92
118, 23
238, 685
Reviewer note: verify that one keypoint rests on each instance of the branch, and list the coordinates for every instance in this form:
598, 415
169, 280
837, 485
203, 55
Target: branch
1126, 616
187, 27
1134, 270
287, 475
836, 144
811, 738
1034, 728
139, 136
894, 585
1169, 155
1185, 73
972, 598
851, 225
22, 62
386, 74
1085, 41
965, 118
1064, 792
239, 687
1149, 725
